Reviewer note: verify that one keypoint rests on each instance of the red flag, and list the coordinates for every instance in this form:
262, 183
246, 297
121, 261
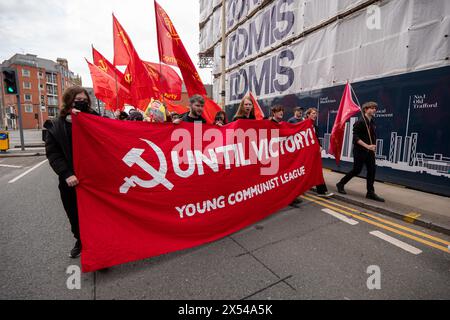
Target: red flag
347, 109
259, 113
143, 85
113, 94
101, 62
210, 110
176, 107
168, 80
172, 52
122, 45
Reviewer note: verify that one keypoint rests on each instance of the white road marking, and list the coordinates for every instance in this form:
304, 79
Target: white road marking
396, 242
10, 166
27, 172
340, 217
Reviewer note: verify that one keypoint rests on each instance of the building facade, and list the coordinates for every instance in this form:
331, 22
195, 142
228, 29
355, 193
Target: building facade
41, 83
303, 52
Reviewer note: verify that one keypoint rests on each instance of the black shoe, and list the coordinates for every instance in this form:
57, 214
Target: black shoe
340, 188
373, 196
76, 251
296, 203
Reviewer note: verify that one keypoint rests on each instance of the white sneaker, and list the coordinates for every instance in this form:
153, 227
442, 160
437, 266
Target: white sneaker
326, 195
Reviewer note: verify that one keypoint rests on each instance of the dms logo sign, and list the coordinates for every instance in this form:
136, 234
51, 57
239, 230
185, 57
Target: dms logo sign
272, 75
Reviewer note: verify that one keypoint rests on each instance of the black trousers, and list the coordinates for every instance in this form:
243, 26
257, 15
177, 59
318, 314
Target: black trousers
361, 158
69, 200
322, 189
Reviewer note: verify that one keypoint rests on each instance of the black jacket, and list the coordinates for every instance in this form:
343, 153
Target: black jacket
185, 117
251, 117
360, 133
58, 146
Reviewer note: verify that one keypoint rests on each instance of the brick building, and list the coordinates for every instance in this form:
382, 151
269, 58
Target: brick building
41, 86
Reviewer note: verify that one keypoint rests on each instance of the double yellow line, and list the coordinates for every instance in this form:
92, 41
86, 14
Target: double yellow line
381, 223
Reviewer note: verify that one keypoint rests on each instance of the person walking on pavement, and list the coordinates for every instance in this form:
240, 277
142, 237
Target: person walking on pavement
364, 151
322, 190
58, 147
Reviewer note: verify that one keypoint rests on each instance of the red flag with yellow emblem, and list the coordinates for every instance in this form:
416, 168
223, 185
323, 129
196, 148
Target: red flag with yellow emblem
143, 85
106, 89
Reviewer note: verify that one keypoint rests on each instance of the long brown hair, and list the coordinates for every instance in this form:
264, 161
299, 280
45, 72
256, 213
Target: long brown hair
241, 110
69, 97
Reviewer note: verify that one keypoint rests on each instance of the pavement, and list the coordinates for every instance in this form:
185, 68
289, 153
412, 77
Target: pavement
33, 144
412, 206
295, 254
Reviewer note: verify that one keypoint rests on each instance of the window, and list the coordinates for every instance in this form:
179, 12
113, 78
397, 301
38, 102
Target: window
52, 90
52, 101
41, 86
27, 85
25, 72
51, 78
40, 75
28, 108
27, 97
52, 112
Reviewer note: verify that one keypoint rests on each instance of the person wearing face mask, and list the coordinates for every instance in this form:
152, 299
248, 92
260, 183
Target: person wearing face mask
58, 147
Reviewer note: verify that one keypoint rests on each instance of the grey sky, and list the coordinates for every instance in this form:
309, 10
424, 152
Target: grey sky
66, 29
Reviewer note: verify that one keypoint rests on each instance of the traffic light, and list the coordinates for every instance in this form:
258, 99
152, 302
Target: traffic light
9, 80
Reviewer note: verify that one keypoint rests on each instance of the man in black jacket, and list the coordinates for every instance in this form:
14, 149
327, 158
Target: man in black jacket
196, 105
364, 151
58, 147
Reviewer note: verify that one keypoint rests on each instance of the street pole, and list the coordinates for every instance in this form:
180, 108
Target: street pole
3, 120
224, 41
98, 106
19, 111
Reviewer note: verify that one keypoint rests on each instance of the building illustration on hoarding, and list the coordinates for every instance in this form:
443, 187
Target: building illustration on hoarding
403, 154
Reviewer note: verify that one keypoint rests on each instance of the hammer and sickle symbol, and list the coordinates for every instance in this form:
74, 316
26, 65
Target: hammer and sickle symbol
134, 157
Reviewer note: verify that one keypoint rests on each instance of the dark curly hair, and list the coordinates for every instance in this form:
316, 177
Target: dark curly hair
69, 97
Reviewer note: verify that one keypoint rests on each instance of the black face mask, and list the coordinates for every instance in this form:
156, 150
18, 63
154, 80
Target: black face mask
83, 106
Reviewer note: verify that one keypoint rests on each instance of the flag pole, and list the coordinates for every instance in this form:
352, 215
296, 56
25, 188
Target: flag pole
363, 115
115, 74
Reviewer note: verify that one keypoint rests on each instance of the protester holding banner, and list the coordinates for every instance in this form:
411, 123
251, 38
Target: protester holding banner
277, 113
196, 105
298, 115
135, 116
246, 110
364, 150
220, 118
312, 114
122, 115
58, 147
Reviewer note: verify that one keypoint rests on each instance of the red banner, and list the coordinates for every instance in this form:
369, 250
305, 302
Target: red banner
147, 189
